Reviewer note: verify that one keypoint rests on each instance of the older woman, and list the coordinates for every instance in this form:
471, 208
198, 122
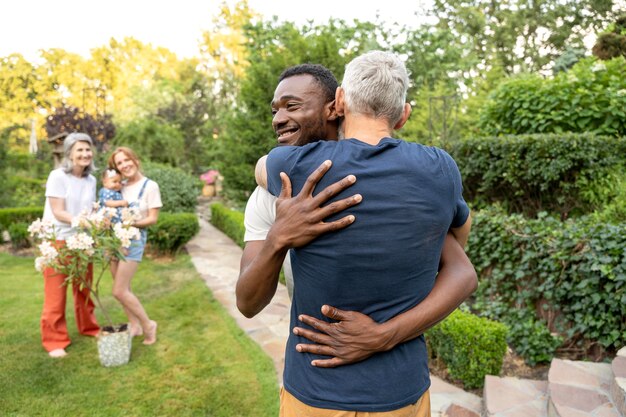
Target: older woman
144, 194
70, 189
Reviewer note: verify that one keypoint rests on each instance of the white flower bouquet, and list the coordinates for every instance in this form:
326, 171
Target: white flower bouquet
97, 240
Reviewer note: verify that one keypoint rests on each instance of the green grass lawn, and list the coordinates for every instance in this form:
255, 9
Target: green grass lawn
201, 365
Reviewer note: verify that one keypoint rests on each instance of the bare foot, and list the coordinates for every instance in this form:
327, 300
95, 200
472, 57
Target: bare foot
57, 353
151, 334
135, 330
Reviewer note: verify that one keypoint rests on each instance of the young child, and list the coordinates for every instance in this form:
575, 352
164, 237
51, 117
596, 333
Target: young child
110, 195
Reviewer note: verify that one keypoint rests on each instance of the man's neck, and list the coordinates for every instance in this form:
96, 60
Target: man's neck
366, 129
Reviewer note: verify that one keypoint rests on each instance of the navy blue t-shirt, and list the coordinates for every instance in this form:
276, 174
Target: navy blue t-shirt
382, 265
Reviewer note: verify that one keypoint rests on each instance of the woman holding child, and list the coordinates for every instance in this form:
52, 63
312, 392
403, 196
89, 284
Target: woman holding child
143, 194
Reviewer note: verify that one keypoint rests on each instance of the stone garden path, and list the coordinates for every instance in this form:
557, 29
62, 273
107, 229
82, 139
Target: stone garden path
574, 389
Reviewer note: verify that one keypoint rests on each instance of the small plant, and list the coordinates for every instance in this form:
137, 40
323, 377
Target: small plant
97, 241
19, 235
210, 176
470, 346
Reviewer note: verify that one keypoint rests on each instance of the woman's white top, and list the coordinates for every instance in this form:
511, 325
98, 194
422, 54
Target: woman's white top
79, 194
151, 197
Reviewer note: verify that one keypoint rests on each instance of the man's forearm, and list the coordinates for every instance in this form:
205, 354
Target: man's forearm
452, 286
258, 277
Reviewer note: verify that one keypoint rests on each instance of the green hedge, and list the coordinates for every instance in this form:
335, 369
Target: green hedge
470, 346
9, 216
179, 190
228, 221
19, 235
25, 192
172, 231
590, 97
548, 279
564, 174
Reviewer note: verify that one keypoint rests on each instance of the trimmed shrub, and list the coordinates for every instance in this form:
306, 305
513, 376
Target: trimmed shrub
569, 277
172, 231
564, 174
228, 221
19, 235
590, 97
26, 192
179, 190
470, 346
9, 216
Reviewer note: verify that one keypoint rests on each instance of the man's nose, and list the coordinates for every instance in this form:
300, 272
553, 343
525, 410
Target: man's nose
279, 119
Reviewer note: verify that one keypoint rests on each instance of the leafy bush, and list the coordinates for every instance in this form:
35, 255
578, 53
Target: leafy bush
590, 97
25, 192
179, 190
571, 274
470, 346
153, 140
172, 232
9, 216
19, 235
561, 174
228, 221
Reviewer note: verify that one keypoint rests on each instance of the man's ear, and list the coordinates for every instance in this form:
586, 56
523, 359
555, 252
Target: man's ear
331, 111
340, 102
406, 112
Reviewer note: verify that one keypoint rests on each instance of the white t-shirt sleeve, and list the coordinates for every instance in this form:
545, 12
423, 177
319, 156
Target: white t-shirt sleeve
152, 195
259, 215
56, 186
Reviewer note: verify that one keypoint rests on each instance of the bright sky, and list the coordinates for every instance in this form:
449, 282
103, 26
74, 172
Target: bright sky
80, 25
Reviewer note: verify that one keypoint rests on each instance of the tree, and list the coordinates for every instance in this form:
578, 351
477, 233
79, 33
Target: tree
612, 43
519, 35
67, 119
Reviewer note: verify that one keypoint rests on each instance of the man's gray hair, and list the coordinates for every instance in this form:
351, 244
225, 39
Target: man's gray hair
68, 144
376, 84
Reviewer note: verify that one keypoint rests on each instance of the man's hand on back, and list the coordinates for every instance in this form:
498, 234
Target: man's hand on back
300, 219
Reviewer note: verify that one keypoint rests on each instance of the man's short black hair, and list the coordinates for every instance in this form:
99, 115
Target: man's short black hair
322, 75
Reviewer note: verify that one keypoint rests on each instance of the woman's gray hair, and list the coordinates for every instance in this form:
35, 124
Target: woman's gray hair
68, 144
376, 84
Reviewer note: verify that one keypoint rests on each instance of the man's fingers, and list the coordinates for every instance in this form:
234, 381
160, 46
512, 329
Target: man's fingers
285, 190
329, 363
315, 177
334, 189
335, 225
316, 349
320, 338
320, 325
337, 206
334, 313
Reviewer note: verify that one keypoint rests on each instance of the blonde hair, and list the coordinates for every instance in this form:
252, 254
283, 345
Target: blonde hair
126, 151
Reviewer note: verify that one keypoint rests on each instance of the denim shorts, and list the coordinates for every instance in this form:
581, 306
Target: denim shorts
135, 251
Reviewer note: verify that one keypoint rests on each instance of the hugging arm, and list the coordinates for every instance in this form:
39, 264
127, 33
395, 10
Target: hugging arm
116, 203
356, 336
299, 220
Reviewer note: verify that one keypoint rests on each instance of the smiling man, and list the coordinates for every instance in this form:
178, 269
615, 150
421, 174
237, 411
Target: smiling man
304, 112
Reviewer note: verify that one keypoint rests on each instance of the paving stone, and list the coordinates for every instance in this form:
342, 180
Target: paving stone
580, 388
446, 399
585, 374
618, 394
619, 366
507, 397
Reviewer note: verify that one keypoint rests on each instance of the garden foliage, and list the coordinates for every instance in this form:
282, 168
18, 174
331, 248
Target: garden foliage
228, 221
590, 97
470, 346
564, 174
550, 279
19, 235
179, 190
9, 216
172, 231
